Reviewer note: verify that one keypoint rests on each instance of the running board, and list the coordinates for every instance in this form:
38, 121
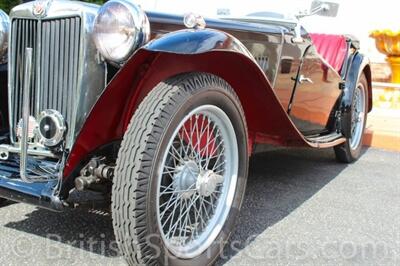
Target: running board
326, 141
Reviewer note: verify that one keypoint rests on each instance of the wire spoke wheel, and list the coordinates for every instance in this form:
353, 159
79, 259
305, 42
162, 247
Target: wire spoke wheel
181, 173
358, 116
197, 181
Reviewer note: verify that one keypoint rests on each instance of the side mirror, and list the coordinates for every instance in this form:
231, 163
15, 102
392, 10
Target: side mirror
325, 9
321, 8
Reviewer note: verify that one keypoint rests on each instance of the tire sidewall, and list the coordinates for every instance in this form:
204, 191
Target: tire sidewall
362, 83
229, 104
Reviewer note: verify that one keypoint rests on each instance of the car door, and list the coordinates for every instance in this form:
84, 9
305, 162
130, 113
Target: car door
290, 62
315, 94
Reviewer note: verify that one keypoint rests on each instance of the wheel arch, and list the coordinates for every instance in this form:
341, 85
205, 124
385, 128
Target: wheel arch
358, 65
368, 74
266, 118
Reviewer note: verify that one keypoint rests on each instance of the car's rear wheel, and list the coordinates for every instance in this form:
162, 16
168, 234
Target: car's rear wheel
350, 151
181, 173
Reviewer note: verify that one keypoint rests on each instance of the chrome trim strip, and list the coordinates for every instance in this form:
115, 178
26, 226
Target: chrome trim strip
289, 23
38, 69
11, 37
7, 149
25, 114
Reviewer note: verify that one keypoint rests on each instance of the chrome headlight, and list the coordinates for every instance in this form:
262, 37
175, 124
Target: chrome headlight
120, 28
4, 28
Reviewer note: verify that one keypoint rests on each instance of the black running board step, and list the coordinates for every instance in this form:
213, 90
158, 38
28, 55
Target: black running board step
325, 138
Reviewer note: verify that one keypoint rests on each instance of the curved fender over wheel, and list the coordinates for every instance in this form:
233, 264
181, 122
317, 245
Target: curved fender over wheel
358, 66
225, 57
110, 116
181, 173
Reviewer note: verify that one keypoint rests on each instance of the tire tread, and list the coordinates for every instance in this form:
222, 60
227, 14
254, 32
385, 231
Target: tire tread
134, 161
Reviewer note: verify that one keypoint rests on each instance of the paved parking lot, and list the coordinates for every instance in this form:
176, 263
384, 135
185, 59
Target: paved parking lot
301, 207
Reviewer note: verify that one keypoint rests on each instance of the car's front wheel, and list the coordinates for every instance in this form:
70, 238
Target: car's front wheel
350, 151
181, 173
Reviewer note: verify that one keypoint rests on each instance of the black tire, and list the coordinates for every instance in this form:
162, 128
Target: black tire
135, 184
344, 152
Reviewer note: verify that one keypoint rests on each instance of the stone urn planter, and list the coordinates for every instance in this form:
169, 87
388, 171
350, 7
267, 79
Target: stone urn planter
388, 43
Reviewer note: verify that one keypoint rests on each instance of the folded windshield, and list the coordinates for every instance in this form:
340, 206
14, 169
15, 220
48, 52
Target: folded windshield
283, 9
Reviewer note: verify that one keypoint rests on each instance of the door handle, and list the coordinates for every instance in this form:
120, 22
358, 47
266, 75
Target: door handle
303, 79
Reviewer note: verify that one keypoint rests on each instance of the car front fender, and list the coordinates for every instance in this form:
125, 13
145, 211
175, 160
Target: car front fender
190, 42
205, 51
358, 64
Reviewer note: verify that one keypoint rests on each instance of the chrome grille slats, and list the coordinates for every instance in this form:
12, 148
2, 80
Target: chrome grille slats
74, 55
56, 46
69, 77
25, 32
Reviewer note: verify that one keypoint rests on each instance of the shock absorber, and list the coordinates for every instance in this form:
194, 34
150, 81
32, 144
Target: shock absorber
93, 173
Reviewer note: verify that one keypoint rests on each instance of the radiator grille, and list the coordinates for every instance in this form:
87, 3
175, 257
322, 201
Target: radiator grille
262, 61
56, 46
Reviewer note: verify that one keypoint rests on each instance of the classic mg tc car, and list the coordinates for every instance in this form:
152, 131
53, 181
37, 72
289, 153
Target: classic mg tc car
155, 116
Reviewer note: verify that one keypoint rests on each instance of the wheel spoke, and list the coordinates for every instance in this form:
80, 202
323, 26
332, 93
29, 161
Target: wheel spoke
171, 215
214, 150
180, 217
201, 147
219, 165
198, 218
171, 228
205, 208
178, 191
170, 204
211, 203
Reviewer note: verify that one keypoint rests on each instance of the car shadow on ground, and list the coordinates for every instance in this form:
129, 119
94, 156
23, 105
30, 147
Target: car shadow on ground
84, 229
279, 182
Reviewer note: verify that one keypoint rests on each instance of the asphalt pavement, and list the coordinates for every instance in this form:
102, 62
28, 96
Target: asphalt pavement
301, 208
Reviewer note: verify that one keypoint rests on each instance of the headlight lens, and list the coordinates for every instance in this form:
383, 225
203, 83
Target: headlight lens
4, 28
120, 28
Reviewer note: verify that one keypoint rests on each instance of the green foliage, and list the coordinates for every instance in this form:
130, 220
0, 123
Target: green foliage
6, 5
99, 2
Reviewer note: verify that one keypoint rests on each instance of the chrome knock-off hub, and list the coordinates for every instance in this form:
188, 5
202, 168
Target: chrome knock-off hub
207, 183
186, 178
189, 179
